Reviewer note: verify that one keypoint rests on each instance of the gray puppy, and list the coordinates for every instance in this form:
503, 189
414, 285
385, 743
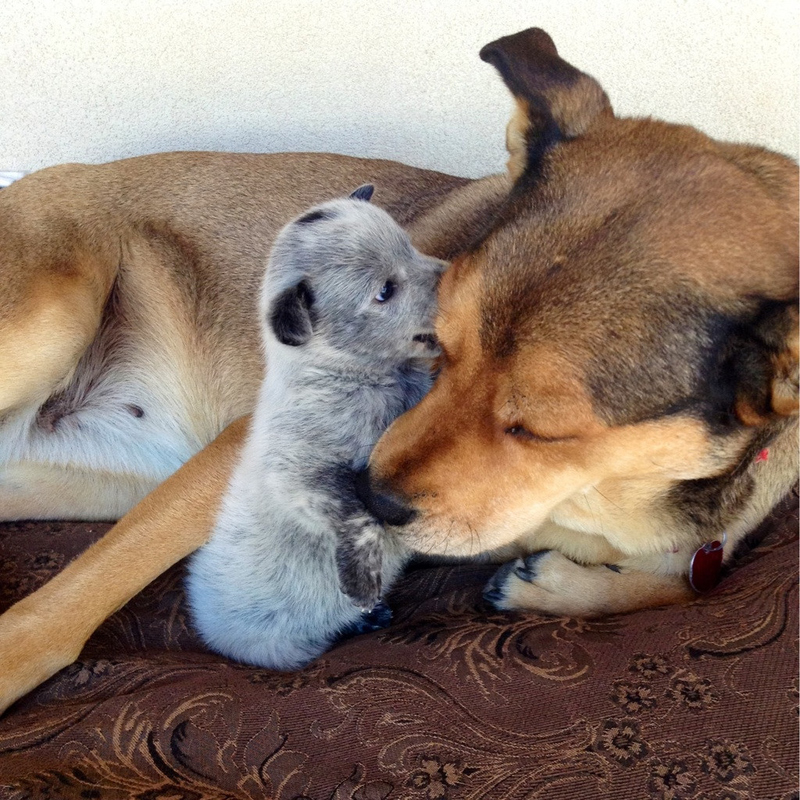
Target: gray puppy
347, 312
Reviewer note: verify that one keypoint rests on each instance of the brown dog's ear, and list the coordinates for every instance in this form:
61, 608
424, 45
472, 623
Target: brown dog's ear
554, 100
767, 367
767, 385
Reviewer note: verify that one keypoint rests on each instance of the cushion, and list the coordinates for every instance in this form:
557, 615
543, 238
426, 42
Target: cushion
454, 700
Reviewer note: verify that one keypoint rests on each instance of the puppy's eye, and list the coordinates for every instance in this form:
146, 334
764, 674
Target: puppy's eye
387, 290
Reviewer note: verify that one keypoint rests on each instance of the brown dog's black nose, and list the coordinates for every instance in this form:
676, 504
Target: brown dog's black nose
386, 507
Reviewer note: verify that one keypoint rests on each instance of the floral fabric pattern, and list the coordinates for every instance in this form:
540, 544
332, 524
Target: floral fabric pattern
692, 702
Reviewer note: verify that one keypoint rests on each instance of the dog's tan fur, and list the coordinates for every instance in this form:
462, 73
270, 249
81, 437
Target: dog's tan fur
144, 273
46, 630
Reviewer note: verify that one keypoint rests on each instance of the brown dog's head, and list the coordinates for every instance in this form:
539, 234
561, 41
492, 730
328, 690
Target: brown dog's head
626, 319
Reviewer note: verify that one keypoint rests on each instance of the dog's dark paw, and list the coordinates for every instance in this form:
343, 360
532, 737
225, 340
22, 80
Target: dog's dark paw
502, 590
494, 591
527, 570
377, 619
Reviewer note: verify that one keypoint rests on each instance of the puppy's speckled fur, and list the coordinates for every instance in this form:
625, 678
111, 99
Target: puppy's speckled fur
342, 365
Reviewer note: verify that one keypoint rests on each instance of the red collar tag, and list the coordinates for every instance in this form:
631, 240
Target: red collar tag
762, 456
706, 565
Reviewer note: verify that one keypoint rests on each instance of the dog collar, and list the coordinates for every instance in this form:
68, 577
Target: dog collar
706, 565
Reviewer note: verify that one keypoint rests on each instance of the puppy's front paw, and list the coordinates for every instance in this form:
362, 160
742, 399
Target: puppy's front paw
359, 563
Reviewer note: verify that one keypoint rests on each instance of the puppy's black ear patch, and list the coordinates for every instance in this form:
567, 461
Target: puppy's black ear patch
291, 315
313, 216
363, 193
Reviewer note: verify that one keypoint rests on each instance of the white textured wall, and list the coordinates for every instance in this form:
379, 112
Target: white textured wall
94, 80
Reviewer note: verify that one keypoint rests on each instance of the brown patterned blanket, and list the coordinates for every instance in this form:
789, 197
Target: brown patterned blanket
452, 701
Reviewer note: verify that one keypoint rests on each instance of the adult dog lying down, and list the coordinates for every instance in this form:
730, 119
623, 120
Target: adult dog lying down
618, 387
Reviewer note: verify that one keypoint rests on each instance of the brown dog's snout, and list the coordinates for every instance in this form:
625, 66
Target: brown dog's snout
385, 506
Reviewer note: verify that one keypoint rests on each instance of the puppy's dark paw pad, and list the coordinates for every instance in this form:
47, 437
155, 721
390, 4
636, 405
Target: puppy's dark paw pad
380, 616
527, 569
377, 619
495, 592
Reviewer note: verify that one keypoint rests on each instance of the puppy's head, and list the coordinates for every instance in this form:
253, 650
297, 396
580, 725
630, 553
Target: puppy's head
344, 276
624, 322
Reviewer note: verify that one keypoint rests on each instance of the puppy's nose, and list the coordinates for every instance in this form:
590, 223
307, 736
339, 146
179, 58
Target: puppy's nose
388, 508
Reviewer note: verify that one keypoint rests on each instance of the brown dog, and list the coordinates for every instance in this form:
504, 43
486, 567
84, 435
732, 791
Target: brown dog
620, 344
619, 379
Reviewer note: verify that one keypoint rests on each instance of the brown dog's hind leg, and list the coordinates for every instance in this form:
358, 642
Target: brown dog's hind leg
58, 261
43, 336
46, 631
548, 581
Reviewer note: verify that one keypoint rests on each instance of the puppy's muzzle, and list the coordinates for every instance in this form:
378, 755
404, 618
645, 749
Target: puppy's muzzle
384, 506
428, 341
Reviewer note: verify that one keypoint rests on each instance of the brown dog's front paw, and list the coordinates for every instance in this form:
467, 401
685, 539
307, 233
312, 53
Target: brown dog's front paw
544, 581
550, 583
497, 589
33, 647
526, 569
